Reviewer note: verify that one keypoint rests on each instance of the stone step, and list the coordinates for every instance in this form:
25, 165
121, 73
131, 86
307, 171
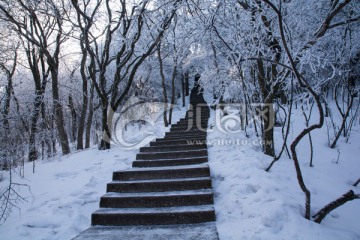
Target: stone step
176, 142
169, 162
193, 119
188, 127
153, 216
201, 113
160, 185
191, 127
191, 171
193, 130
185, 134
170, 148
198, 231
186, 138
194, 123
172, 154
196, 115
157, 199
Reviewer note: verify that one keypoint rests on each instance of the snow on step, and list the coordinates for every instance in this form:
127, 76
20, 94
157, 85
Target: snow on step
157, 199
186, 171
171, 154
160, 185
200, 231
153, 216
170, 162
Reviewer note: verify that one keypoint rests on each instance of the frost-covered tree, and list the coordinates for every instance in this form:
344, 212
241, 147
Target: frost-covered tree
112, 44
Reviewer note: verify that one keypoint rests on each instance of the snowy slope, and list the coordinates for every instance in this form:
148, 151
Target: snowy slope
254, 204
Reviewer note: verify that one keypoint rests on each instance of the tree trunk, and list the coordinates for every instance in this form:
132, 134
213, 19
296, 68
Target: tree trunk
172, 93
89, 119
80, 133
105, 126
183, 91
187, 84
349, 196
59, 115
342, 127
166, 123
33, 154
6, 108
73, 119
267, 111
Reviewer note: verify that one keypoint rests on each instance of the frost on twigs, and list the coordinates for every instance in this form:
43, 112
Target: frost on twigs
10, 197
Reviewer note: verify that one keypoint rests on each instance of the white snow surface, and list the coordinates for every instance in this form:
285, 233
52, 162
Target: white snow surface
250, 203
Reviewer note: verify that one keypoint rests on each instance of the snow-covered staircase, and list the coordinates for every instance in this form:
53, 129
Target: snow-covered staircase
168, 191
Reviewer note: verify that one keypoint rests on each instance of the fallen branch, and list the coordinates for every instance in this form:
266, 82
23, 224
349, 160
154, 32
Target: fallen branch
349, 196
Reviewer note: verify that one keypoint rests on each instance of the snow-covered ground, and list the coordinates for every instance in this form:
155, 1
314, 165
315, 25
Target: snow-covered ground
250, 203
254, 204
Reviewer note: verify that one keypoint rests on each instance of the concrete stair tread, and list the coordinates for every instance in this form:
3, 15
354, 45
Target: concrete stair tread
155, 210
170, 162
195, 166
156, 194
177, 142
162, 180
171, 148
173, 159
175, 151
199, 231
172, 154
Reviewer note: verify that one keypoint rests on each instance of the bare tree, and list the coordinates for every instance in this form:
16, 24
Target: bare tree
41, 24
123, 24
294, 61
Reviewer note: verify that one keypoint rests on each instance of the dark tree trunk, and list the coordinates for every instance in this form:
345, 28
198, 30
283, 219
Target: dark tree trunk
172, 93
267, 110
187, 84
81, 128
105, 126
349, 196
33, 153
166, 123
73, 118
59, 115
183, 91
90, 117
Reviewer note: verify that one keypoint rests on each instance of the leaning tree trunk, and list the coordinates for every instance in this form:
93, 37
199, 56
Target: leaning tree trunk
349, 196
